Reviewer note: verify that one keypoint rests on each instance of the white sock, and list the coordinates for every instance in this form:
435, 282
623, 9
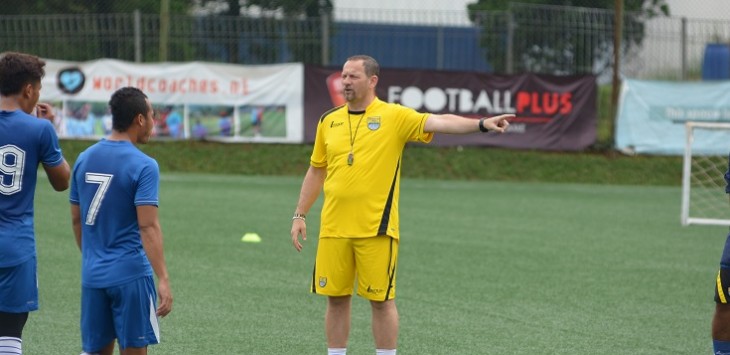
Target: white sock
384, 351
11, 345
336, 351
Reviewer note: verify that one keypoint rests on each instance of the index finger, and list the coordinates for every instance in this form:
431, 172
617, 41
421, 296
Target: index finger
505, 116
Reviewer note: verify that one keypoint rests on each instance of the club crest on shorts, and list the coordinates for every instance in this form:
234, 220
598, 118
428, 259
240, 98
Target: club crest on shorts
322, 281
373, 123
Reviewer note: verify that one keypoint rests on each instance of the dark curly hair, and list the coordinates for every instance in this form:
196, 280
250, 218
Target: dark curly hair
125, 104
18, 70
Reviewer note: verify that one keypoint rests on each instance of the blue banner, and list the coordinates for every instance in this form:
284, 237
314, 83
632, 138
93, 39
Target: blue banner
652, 116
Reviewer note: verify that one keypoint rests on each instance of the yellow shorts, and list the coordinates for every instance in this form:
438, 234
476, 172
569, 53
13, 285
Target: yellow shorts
339, 260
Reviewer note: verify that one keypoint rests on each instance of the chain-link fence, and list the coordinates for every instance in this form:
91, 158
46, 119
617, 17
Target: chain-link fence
536, 38
138, 37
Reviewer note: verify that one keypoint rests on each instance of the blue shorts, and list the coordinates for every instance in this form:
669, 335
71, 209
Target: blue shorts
19, 287
125, 312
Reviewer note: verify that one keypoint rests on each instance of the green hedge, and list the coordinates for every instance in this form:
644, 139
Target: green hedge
468, 163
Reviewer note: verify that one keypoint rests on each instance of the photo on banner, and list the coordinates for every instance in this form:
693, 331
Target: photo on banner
168, 121
211, 121
85, 119
262, 121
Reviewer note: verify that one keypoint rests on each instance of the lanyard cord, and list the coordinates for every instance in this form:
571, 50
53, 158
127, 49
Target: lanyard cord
351, 156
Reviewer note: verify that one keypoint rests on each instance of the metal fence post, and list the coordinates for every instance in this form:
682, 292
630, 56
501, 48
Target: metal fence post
440, 48
325, 21
137, 36
618, 31
510, 42
683, 44
164, 28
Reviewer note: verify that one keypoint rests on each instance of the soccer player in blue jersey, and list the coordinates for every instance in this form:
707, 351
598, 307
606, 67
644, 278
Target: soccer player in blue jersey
25, 142
114, 199
721, 318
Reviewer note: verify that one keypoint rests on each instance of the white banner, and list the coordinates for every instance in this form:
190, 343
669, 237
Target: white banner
226, 102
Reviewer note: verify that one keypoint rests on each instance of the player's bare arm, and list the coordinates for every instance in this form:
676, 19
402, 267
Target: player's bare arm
312, 185
58, 175
151, 233
453, 124
76, 223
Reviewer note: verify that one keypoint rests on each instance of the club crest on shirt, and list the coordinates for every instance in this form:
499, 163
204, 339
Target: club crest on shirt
322, 281
373, 123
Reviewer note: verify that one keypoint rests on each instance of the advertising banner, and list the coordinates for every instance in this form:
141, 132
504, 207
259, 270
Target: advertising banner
652, 116
552, 112
194, 100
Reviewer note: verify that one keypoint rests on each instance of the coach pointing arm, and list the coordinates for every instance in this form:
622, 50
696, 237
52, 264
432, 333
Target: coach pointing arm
453, 124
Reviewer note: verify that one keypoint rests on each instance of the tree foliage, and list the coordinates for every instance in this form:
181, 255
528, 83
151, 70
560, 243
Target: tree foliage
566, 37
294, 8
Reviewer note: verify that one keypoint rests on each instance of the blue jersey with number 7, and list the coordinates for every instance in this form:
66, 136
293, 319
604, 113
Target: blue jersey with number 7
109, 180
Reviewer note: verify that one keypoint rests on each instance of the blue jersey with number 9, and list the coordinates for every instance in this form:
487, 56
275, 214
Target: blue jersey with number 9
109, 180
25, 142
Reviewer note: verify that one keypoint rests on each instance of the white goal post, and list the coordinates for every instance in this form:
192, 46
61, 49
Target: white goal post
704, 200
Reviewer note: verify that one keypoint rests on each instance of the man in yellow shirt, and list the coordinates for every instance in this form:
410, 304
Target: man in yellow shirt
356, 162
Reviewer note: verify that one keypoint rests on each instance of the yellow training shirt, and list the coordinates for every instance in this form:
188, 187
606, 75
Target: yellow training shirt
361, 199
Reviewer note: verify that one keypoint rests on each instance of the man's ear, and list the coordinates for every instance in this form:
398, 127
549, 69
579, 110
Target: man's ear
28, 90
374, 80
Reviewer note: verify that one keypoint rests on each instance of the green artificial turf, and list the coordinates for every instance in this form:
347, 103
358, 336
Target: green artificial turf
485, 267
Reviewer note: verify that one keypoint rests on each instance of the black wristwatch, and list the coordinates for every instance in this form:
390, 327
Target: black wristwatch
481, 125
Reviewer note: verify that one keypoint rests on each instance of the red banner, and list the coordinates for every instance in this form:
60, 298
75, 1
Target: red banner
552, 112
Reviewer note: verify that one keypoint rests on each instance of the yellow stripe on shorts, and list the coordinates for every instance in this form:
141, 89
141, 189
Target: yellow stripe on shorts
719, 289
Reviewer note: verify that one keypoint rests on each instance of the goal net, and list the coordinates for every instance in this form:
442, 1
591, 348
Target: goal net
706, 150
